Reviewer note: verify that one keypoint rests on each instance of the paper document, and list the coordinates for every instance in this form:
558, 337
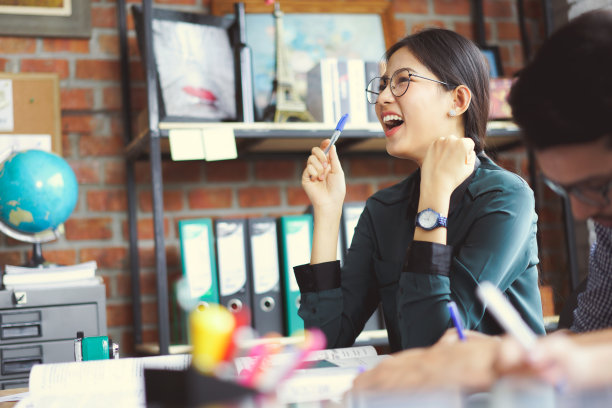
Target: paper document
92, 384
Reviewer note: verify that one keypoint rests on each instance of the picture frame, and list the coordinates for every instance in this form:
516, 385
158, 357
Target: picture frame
332, 20
197, 65
493, 58
72, 20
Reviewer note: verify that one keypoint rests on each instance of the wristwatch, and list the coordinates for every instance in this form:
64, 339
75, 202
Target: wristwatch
429, 219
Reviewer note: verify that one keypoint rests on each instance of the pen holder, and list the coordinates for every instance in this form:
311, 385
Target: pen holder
189, 388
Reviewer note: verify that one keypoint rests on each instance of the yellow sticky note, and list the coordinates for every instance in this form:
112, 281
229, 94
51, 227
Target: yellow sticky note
186, 144
219, 144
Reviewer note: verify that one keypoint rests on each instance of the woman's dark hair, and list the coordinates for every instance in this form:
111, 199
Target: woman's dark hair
457, 61
564, 96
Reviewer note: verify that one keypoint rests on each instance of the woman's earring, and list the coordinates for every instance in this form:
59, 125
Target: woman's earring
452, 113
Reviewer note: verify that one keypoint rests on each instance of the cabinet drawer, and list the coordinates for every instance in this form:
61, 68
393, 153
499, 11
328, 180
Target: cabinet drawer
48, 323
16, 361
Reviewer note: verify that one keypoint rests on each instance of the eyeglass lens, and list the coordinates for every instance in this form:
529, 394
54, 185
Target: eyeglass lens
399, 85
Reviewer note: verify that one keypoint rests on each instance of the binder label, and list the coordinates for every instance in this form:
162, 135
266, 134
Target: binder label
230, 246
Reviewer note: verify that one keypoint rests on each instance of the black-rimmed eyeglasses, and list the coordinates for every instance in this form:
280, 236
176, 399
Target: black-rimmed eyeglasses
586, 191
400, 80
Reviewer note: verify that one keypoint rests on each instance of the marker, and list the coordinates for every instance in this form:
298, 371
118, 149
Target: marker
336, 134
454, 313
506, 315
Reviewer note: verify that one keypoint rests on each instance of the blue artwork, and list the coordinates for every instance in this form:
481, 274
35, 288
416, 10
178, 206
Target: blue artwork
309, 38
491, 62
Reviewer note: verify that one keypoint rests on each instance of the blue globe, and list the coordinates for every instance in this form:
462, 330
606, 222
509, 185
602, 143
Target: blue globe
38, 191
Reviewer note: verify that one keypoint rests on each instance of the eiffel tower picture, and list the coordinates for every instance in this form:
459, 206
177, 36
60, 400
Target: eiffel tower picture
285, 104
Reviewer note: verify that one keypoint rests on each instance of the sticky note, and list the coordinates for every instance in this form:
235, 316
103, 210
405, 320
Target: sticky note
219, 144
186, 144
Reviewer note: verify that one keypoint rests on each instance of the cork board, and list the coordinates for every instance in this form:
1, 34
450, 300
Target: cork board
36, 106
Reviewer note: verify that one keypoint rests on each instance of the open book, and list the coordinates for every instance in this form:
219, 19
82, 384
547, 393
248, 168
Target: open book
113, 383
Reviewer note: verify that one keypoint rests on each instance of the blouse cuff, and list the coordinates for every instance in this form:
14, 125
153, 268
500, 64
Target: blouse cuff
318, 277
428, 257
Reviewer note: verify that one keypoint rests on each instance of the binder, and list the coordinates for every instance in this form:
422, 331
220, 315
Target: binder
350, 216
267, 304
295, 236
198, 259
233, 274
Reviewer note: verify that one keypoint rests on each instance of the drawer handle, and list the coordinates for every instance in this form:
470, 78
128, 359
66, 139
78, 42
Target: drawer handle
19, 366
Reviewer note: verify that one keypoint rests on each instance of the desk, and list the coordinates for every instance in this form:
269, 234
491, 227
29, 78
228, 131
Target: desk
10, 392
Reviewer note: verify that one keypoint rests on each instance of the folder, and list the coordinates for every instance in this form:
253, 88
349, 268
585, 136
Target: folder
295, 236
233, 274
350, 216
198, 259
267, 304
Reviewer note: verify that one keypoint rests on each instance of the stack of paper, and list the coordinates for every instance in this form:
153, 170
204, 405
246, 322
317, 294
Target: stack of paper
19, 277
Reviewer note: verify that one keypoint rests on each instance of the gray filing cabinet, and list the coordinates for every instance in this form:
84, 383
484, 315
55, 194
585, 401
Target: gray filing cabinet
40, 325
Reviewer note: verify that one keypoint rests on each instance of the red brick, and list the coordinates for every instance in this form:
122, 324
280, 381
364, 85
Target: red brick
107, 200
142, 172
550, 214
138, 98
76, 99
147, 256
399, 30
58, 66
421, 25
149, 312
358, 192
203, 198
145, 229
461, 8
533, 9
11, 258
137, 72
411, 6
78, 229
13, 45
259, 197
76, 46
297, 196
403, 167
369, 166
182, 171
119, 314
111, 97
227, 170
133, 50
59, 256
109, 44
498, 8
507, 31
109, 257
548, 304
275, 170
3, 63
77, 123
104, 17
101, 146
114, 172
86, 171
173, 200
97, 69
106, 281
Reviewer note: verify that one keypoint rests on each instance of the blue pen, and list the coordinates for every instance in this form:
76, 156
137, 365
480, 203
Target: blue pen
454, 313
336, 135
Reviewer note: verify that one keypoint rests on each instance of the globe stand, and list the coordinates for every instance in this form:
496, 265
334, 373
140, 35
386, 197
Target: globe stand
37, 260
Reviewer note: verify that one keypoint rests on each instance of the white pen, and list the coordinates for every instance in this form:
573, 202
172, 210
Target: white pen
506, 315
336, 134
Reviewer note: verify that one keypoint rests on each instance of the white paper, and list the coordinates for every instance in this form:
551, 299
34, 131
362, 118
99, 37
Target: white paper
6, 105
186, 144
196, 252
219, 144
93, 384
20, 142
231, 257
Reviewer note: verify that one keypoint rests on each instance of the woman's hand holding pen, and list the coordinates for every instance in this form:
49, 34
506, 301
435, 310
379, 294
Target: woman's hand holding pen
323, 180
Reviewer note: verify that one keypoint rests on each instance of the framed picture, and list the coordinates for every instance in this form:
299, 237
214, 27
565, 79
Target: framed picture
194, 60
491, 54
313, 30
44, 18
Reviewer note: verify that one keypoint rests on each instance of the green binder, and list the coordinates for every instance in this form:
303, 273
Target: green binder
295, 236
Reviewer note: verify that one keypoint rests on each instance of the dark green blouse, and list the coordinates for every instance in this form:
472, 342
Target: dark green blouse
491, 237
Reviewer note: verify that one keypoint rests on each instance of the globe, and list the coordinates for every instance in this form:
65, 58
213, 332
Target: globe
38, 192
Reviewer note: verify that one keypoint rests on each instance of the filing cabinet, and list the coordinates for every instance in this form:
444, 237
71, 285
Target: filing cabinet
39, 326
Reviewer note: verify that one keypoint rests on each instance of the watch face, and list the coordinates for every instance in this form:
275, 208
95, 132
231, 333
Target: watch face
428, 218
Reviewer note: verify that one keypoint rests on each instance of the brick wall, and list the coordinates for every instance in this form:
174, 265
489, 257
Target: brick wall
93, 145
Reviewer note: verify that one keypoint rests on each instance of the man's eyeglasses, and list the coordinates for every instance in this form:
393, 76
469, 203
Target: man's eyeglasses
589, 192
400, 80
